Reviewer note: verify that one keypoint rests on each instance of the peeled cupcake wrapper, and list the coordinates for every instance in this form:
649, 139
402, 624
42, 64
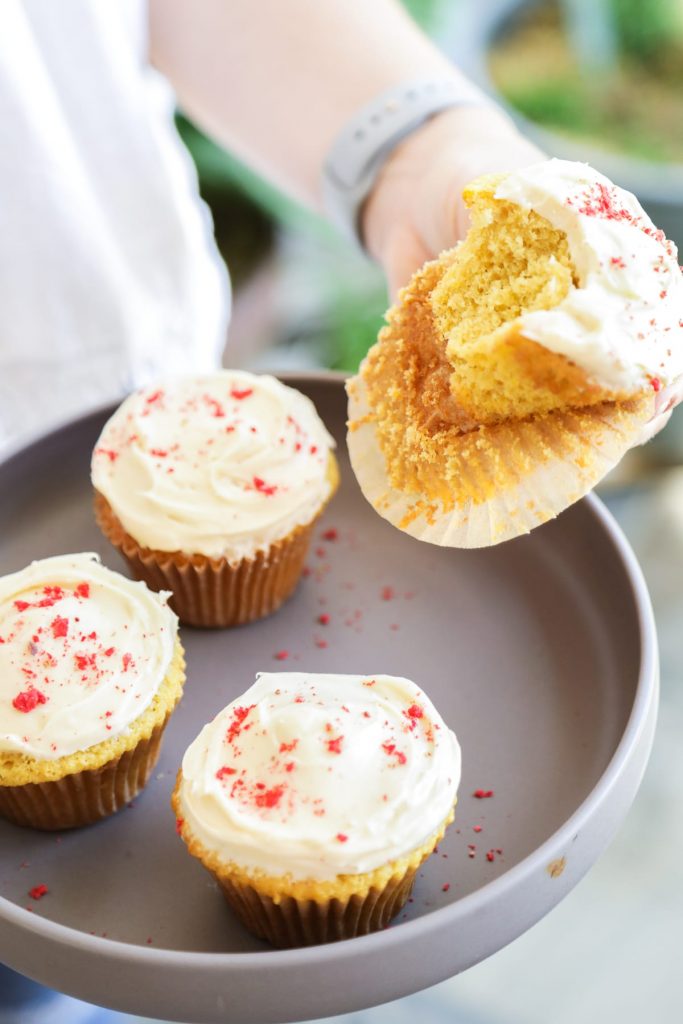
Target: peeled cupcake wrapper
532, 469
212, 592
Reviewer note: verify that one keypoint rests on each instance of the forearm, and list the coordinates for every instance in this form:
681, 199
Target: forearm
276, 80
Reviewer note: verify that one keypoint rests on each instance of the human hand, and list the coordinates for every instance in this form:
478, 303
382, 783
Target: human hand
415, 210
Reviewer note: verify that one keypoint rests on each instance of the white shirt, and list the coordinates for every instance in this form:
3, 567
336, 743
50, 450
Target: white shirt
109, 275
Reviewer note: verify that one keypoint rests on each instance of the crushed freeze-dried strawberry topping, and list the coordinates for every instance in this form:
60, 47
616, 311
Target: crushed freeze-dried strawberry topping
239, 715
59, 627
269, 797
29, 699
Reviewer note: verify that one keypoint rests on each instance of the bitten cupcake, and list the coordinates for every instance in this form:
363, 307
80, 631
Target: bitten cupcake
91, 669
519, 367
313, 800
210, 487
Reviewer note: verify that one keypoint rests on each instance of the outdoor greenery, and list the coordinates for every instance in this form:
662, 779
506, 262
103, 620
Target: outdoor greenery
632, 103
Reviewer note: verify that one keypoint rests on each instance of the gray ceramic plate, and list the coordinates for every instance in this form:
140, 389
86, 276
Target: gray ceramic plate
541, 654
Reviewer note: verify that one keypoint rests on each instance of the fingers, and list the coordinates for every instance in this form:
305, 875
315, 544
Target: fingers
656, 424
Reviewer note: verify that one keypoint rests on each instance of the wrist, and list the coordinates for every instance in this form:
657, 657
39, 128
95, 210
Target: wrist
423, 177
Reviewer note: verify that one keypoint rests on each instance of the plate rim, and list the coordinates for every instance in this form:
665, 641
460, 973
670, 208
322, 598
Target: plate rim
410, 931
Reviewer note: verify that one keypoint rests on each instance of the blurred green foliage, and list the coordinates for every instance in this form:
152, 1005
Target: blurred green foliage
634, 105
647, 28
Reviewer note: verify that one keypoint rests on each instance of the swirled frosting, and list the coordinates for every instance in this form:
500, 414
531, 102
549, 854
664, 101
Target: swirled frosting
313, 776
83, 650
221, 465
624, 323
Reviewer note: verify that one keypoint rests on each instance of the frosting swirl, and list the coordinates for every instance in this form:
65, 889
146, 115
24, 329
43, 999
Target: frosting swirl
317, 775
83, 650
221, 465
624, 323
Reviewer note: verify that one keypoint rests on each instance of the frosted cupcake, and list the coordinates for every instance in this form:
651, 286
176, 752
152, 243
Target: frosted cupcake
210, 487
91, 669
517, 369
313, 800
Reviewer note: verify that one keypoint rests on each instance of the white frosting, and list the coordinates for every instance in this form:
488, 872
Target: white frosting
319, 775
624, 324
221, 465
83, 650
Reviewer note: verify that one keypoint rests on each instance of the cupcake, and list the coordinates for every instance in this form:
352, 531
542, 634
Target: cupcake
517, 369
91, 669
210, 487
313, 800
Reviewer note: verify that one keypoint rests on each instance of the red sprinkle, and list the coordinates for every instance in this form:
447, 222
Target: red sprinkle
490, 856
225, 770
331, 534
287, 748
38, 891
238, 716
476, 828
341, 838
656, 384
127, 659
21, 606
445, 887
270, 798
482, 794
159, 453
179, 822
281, 655
390, 748
334, 746
59, 626
109, 452
83, 590
29, 699
323, 619
240, 394
387, 593
262, 487
109, 651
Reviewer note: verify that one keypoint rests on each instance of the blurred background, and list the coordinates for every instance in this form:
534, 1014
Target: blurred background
595, 80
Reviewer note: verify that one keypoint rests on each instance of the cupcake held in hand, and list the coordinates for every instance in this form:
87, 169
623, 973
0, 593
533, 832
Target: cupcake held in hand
210, 487
91, 669
313, 799
518, 368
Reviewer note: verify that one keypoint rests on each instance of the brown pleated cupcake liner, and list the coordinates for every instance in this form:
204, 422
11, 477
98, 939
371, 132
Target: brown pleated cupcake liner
211, 592
291, 922
86, 796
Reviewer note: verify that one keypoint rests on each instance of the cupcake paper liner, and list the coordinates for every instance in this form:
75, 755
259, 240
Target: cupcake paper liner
213, 592
291, 922
516, 475
86, 796
289, 913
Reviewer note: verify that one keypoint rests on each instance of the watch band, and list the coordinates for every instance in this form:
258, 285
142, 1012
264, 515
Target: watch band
362, 147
